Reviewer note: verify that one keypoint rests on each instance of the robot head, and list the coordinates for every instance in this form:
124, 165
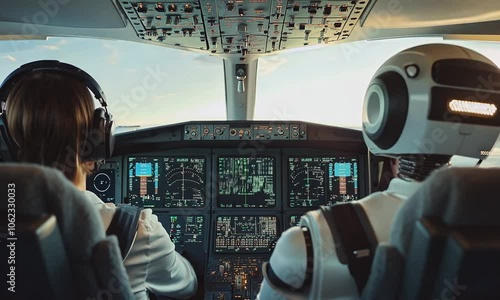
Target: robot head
436, 99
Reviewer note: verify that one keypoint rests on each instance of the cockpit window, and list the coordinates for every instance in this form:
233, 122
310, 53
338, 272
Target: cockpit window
148, 85
145, 85
327, 85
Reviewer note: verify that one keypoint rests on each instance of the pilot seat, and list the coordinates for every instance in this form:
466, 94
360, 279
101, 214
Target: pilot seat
58, 247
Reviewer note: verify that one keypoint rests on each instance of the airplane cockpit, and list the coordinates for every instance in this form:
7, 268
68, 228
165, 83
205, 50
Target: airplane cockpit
233, 119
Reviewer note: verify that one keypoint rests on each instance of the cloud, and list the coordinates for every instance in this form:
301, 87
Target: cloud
207, 59
56, 46
114, 56
50, 47
268, 65
10, 58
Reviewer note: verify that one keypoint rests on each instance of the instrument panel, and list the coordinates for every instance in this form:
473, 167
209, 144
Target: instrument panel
225, 207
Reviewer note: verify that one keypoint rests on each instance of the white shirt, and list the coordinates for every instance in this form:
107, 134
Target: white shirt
152, 263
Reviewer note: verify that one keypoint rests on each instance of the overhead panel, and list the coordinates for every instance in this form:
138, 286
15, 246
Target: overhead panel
243, 27
174, 23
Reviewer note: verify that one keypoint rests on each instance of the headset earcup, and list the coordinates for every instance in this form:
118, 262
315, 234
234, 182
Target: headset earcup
98, 135
110, 137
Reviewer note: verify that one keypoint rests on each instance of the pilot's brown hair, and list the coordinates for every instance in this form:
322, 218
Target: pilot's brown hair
48, 116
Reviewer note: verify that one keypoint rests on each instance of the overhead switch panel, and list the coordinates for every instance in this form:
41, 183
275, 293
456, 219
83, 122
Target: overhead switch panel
241, 27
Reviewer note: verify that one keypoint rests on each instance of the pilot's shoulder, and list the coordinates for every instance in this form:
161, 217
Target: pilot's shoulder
149, 220
106, 210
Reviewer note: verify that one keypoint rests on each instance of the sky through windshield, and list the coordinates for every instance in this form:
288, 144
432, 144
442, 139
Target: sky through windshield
152, 85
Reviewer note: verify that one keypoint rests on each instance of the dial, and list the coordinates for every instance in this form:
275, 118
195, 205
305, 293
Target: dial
307, 184
185, 182
102, 182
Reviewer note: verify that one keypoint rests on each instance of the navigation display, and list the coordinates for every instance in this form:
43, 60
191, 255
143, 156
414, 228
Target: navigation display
246, 182
316, 181
103, 184
183, 230
166, 182
245, 234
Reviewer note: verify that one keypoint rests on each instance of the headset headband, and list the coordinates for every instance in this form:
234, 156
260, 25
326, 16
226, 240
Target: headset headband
52, 66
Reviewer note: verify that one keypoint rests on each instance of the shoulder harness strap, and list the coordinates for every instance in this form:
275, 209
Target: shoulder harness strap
124, 225
354, 238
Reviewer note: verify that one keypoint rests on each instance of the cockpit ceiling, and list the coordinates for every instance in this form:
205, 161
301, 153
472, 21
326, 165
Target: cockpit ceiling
431, 13
244, 27
235, 28
67, 13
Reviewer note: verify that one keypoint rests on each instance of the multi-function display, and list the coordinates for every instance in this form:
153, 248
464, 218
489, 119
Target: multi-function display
166, 182
245, 234
246, 182
316, 181
184, 230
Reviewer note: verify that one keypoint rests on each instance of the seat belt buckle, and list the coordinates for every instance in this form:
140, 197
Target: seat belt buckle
361, 253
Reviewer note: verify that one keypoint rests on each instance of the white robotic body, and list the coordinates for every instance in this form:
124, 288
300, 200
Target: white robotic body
331, 279
290, 265
269, 291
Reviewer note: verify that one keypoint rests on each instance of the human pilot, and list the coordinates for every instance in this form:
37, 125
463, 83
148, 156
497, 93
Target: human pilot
422, 106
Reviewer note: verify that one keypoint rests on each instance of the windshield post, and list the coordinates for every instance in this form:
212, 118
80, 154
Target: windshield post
241, 78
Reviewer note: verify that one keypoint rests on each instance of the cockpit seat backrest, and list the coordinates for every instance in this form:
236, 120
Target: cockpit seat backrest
445, 241
95, 262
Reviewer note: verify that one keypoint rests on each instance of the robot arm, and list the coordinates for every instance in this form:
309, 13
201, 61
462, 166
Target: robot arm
285, 273
304, 265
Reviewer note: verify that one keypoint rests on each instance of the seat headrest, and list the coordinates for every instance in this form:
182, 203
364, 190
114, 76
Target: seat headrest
459, 196
41, 190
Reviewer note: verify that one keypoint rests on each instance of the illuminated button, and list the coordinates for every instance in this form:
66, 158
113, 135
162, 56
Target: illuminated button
142, 8
172, 8
159, 7
188, 8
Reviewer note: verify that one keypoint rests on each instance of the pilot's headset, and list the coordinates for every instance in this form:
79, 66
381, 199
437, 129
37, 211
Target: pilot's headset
100, 139
423, 105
